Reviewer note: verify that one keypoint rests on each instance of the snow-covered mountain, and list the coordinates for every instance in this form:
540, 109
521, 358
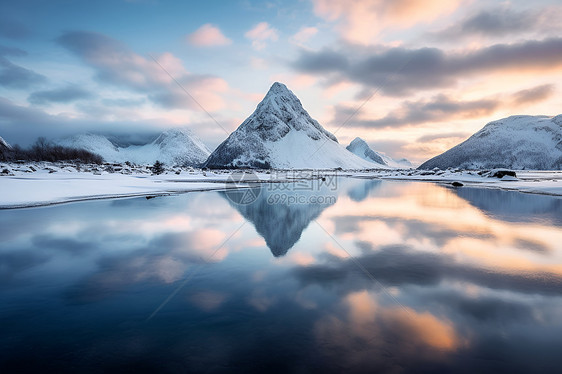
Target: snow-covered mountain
172, 147
4, 145
281, 134
516, 142
360, 148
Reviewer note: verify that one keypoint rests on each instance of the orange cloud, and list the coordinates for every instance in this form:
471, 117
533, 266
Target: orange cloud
208, 35
208, 300
362, 20
303, 35
419, 328
299, 258
370, 329
299, 81
157, 77
260, 34
454, 227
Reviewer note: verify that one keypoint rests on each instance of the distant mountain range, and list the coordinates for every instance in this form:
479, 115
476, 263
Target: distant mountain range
281, 134
516, 142
172, 147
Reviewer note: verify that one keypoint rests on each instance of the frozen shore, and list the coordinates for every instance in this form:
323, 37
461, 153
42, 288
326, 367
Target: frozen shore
40, 184
528, 181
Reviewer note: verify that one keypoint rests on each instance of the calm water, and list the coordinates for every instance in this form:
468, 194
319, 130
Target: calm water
372, 276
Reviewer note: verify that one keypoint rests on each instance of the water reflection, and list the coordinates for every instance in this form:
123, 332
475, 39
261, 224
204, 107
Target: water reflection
514, 207
280, 212
460, 285
361, 191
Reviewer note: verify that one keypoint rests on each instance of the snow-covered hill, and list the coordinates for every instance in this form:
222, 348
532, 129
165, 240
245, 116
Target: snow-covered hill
516, 142
360, 148
281, 134
172, 147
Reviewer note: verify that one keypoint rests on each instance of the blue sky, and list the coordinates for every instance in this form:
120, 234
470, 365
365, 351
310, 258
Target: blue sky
426, 74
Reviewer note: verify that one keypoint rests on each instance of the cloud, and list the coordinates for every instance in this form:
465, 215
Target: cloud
401, 71
504, 21
532, 95
439, 108
208, 35
397, 265
321, 61
165, 82
14, 262
303, 35
362, 21
446, 135
261, 34
22, 124
15, 76
123, 102
10, 111
363, 330
59, 95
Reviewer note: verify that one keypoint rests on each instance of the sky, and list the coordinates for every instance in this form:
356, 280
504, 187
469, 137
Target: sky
413, 78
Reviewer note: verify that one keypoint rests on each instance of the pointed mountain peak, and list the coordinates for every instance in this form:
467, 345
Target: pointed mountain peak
281, 134
360, 148
279, 88
357, 141
279, 112
279, 93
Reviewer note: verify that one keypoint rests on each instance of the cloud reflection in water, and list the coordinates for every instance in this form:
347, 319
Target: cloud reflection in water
477, 290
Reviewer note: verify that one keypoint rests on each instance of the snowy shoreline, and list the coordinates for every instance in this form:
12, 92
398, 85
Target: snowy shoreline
528, 181
42, 184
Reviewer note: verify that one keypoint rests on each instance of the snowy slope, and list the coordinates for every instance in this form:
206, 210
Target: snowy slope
400, 164
4, 145
516, 142
360, 148
172, 147
98, 144
281, 134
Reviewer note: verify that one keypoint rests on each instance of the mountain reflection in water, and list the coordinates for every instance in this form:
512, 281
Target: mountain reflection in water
280, 213
461, 280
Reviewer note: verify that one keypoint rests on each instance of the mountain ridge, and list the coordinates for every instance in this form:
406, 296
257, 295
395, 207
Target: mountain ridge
515, 142
172, 147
